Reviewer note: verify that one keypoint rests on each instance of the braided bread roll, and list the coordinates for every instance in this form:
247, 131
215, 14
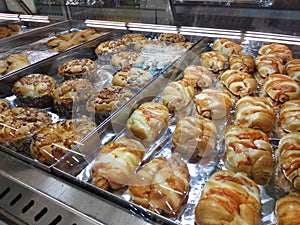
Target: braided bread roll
213, 60
289, 116
249, 151
292, 68
267, 65
287, 209
228, 198
116, 163
244, 63
289, 158
275, 49
162, 185
227, 47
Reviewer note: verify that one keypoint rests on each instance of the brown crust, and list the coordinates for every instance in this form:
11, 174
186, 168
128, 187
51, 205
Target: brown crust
213, 60
244, 63
276, 49
227, 47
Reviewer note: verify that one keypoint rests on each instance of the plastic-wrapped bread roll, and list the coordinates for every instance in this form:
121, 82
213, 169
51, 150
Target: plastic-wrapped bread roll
147, 121
213, 103
281, 88
276, 49
116, 163
290, 116
195, 137
177, 95
289, 158
287, 209
292, 68
214, 61
239, 83
255, 112
244, 63
267, 65
227, 47
249, 151
228, 198
198, 76
162, 185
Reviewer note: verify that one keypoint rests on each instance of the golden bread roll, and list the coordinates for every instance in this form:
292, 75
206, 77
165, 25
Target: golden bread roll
171, 37
239, 83
198, 76
255, 112
249, 151
292, 68
162, 185
55, 140
281, 88
267, 65
4, 105
289, 158
116, 163
287, 209
177, 95
276, 49
228, 198
227, 47
147, 121
213, 103
244, 63
290, 116
214, 61
195, 137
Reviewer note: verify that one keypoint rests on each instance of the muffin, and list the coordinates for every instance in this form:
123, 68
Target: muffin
106, 49
58, 138
107, 100
18, 125
4, 105
34, 90
71, 96
78, 68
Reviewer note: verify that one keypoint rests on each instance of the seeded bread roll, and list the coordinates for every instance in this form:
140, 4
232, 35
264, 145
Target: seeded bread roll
289, 116
78, 68
34, 90
71, 95
239, 83
130, 39
4, 105
267, 65
275, 49
249, 151
55, 140
116, 163
148, 121
162, 185
289, 158
255, 112
228, 198
214, 61
281, 88
227, 47
287, 209
126, 59
292, 68
195, 137
198, 76
171, 37
244, 63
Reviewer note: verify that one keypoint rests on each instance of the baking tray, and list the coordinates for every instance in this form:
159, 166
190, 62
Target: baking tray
78, 171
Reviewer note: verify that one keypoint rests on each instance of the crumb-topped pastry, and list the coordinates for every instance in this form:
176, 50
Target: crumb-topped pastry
131, 38
133, 78
149, 45
195, 137
244, 63
213, 103
292, 68
227, 47
107, 48
275, 49
289, 158
255, 112
267, 65
71, 95
214, 61
281, 88
239, 83
106, 100
287, 209
78, 68
290, 116
20, 124
171, 37
53, 141
177, 95
34, 90
4, 105
228, 198
161, 185
198, 76
126, 59
116, 163
249, 151
147, 121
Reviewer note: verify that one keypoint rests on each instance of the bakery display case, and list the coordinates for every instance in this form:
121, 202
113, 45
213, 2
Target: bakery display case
182, 112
